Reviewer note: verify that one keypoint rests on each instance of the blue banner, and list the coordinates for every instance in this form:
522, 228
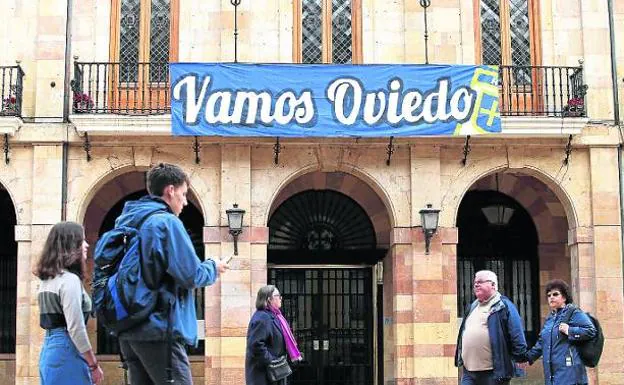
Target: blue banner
303, 100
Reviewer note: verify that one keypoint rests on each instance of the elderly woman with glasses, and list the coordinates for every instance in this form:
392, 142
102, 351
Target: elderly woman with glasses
268, 338
562, 363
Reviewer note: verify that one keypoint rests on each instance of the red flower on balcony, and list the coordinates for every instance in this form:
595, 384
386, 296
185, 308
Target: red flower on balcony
82, 102
9, 105
575, 107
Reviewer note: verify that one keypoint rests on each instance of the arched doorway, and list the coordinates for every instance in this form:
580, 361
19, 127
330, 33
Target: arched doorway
530, 244
8, 273
496, 233
321, 254
194, 224
100, 216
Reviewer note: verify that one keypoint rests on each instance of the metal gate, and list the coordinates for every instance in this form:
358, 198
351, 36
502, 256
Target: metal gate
331, 314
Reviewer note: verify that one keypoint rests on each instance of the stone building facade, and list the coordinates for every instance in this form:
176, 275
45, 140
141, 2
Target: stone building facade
73, 161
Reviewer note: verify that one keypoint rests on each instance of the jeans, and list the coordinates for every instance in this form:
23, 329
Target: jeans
147, 362
60, 363
485, 377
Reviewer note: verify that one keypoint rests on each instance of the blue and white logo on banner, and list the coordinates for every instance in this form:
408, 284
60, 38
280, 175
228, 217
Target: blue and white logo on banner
296, 100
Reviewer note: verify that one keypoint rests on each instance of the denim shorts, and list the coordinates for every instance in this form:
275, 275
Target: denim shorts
60, 363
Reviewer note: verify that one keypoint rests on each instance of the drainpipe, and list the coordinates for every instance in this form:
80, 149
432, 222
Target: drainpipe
66, 105
616, 119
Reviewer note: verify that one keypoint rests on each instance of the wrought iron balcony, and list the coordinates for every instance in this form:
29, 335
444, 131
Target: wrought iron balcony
542, 91
11, 86
143, 89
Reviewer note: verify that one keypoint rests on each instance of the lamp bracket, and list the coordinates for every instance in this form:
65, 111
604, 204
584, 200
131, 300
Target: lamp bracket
466, 150
7, 149
277, 148
568, 151
87, 146
196, 148
389, 151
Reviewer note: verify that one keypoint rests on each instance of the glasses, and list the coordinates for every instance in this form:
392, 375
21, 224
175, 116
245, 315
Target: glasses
479, 283
277, 296
553, 294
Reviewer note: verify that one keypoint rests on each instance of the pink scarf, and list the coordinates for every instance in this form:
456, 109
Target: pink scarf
289, 339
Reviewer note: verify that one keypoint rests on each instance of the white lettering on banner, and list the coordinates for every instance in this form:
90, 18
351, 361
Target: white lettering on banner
219, 108
345, 92
349, 100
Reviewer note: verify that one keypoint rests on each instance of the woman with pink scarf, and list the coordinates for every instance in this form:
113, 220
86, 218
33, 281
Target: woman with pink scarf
268, 338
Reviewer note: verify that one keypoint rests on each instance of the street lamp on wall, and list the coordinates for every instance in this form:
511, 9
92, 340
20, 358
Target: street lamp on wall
235, 224
429, 220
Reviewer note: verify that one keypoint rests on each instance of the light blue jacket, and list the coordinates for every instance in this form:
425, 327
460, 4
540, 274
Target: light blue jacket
169, 263
562, 363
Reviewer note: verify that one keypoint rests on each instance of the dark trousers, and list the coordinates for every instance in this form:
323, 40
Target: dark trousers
147, 362
485, 377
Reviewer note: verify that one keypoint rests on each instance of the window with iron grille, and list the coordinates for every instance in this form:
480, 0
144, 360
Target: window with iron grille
144, 32
508, 36
8, 273
327, 31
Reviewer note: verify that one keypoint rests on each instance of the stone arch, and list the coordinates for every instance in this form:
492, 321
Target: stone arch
8, 271
359, 189
558, 200
126, 185
551, 210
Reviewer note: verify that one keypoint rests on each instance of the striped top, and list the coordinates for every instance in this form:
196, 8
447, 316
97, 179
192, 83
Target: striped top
63, 302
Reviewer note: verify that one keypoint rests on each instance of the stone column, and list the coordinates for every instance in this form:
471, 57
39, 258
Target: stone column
607, 247
228, 307
23, 238
46, 193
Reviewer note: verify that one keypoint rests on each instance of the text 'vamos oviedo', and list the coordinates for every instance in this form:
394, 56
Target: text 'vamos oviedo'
350, 103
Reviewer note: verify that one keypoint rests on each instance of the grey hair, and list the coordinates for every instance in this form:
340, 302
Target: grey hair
489, 275
264, 294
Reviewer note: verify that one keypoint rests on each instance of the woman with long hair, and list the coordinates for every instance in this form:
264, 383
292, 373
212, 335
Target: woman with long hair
66, 356
268, 338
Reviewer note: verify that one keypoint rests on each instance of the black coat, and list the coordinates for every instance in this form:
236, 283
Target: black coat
265, 342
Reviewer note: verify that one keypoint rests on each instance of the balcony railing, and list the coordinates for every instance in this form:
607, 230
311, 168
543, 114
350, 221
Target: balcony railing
542, 91
11, 86
143, 88
121, 88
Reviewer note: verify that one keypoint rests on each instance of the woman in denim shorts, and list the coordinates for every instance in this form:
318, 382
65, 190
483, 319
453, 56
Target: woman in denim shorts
66, 356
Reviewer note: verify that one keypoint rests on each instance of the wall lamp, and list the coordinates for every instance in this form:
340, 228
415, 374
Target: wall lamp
235, 224
429, 220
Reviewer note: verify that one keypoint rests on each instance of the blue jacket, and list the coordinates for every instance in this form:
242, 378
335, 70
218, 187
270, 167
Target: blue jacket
170, 265
265, 342
506, 338
562, 364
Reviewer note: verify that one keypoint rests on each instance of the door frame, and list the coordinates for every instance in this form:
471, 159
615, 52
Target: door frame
375, 272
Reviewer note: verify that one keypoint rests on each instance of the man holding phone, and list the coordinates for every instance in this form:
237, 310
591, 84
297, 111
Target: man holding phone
155, 350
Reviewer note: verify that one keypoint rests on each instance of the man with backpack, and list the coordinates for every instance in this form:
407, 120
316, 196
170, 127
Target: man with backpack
154, 350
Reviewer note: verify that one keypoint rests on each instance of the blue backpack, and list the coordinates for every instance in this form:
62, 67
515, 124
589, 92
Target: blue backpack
121, 298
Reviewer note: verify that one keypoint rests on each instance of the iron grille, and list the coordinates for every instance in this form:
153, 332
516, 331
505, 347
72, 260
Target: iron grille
342, 35
312, 32
130, 21
320, 221
520, 40
509, 250
159, 40
193, 221
490, 32
11, 78
331, 314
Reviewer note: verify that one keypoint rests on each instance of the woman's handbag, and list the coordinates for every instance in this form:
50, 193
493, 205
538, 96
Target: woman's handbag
278, 369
